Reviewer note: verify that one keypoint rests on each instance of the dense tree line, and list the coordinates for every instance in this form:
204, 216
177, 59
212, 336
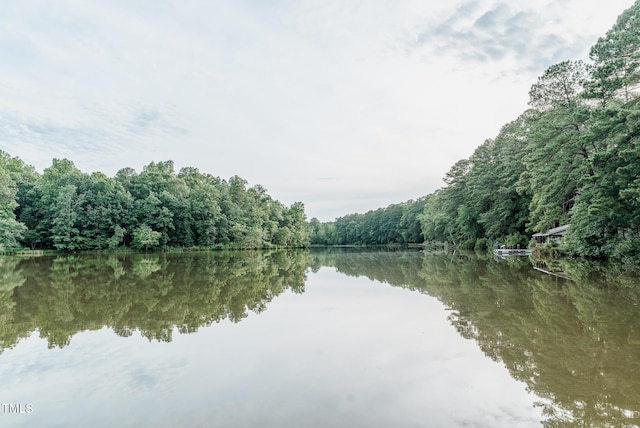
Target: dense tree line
66, 209
572, 158
395, 224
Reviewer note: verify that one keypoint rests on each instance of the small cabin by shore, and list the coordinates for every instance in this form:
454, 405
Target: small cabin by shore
557, 233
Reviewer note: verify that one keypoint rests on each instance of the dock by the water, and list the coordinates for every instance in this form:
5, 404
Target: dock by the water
504, 252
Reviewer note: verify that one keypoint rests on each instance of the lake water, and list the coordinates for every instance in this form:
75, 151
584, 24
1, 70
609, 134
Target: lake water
316, 339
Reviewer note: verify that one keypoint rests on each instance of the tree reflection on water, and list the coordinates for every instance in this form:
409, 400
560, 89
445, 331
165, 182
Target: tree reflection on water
150, 293
574, 343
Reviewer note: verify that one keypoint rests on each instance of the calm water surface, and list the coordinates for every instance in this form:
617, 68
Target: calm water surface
316, 339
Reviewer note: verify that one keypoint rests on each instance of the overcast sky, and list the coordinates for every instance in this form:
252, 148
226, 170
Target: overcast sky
344, 105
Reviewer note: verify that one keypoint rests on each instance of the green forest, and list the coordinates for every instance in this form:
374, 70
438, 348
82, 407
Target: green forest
572, 158
395, 224
68, 210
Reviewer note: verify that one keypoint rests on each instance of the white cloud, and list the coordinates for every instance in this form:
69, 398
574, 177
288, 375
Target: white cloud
382, 96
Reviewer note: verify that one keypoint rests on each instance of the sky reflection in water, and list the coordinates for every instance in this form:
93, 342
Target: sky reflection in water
348, 351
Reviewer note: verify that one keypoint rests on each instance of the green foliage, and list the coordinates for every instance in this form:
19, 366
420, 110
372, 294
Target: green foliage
68, 210
556, 156
482, 199
104, 212
573, 158
606, 218
482, 244
616, 58
145, 237
515, 239
11, 231
64, 234
395, 224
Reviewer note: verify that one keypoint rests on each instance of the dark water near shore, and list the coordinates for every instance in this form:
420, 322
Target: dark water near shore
316, 339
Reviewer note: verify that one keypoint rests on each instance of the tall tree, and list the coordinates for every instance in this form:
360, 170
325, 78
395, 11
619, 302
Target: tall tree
54, 198
204, 194
104, 211
556, 155
64, 233
606, 216
616, 58
11, 231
